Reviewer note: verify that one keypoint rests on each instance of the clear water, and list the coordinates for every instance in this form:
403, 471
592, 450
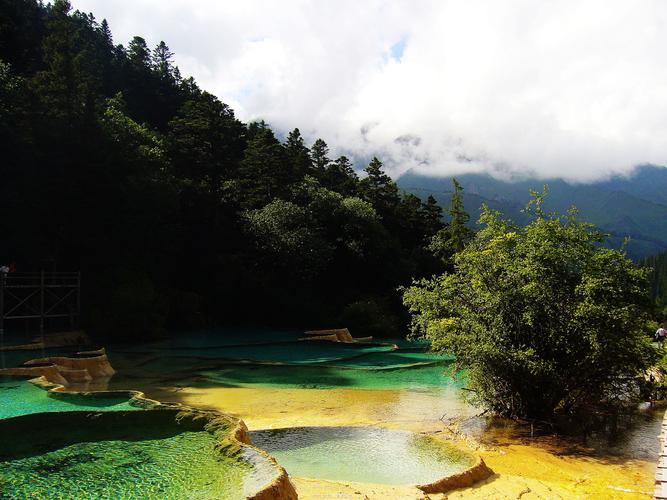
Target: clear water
363, 454
402, 358
20, 397
220, 337
9, 359
182, 466
208, 359
290, 352
416, 378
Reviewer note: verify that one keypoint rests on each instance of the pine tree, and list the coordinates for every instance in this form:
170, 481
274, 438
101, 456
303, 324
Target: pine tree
105, 32
432, 215
458, 231
207, 142
379, 189
72, 78
319, 154
341, 177
263, 169
298, 154
138, 53
162, 61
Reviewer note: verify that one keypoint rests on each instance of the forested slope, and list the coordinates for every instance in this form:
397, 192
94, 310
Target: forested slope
659, 277
177, 213
634, 206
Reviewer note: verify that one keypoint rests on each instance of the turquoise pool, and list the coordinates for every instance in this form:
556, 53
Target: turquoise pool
362, 454
20, 397
179, 466
148, 454
276, 359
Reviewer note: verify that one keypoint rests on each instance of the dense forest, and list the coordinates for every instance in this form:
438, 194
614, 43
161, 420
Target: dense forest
178, 214
658, 281
633, 206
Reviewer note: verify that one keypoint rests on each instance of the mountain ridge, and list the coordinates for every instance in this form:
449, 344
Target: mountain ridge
634, 206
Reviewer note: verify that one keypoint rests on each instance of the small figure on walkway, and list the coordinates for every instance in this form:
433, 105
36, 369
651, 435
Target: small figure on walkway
12, 267
660, 334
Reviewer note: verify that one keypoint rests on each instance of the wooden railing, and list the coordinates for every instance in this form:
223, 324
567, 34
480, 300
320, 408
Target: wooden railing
40, 296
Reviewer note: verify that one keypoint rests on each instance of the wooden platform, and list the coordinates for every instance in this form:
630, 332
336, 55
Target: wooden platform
661, 472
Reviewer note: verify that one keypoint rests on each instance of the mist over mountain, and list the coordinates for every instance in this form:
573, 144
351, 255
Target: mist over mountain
624, 206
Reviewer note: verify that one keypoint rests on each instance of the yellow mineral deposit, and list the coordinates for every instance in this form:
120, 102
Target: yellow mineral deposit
520, 471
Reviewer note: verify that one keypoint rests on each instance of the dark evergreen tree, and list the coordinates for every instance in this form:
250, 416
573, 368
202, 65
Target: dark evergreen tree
458, 230
139, 54
263, 169
319, 154
206, 143
341, 177
298, 154
456, 234
379, 189
432, 214
162, 61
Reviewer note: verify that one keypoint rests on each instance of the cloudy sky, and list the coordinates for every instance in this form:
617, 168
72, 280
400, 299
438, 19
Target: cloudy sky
570, 88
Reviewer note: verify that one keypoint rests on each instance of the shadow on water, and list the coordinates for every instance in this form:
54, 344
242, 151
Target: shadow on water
203, 361
53, 431
290, 376
613, 438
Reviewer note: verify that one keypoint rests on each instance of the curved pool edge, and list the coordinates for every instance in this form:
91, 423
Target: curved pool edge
235, 438
471, 475
479, 471
136, 398
84, 366
281, 487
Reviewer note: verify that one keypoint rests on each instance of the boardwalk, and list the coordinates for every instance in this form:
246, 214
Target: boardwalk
661, 472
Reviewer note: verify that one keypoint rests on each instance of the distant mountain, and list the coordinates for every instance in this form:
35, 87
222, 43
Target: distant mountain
633, 206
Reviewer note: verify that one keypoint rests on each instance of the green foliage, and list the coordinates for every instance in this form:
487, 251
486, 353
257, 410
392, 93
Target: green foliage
634, 206
264, 169
459, 233
379, 189
297, 153
341, 177
133, 139
658, 280
319, 155
373, 317
206, 143
544, 319
452, 238
283, 231
176, 212
131, 291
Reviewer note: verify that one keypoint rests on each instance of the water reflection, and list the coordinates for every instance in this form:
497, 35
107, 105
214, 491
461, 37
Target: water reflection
364, 454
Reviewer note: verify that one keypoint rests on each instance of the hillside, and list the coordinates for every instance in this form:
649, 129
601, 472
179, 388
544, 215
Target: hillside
177, 214
658, 277
633, 206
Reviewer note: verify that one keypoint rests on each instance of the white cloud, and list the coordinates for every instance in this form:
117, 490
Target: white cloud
575, 88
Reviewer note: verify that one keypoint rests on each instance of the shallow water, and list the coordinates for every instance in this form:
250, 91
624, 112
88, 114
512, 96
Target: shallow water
423, 377
220, 361
364, 454
20, 397
205, 379
181, 466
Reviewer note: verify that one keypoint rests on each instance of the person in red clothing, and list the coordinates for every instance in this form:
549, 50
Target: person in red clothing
12, 267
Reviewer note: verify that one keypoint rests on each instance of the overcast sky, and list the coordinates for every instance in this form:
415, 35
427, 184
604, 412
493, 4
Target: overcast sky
570, 88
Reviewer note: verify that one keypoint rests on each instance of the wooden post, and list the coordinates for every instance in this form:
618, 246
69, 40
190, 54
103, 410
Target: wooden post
78, 299
41, 305
2, 318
